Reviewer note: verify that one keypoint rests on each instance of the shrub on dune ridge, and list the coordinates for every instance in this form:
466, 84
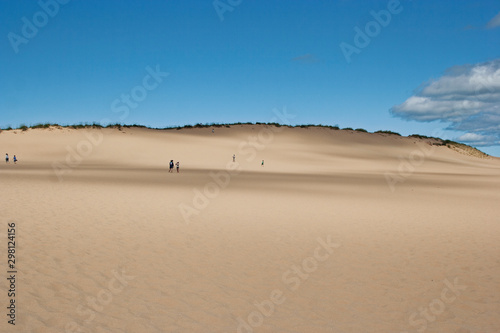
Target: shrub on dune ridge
460, 147
387, 132
465, 149
134, 125
45, 125
117, 125
424, 137
418, 136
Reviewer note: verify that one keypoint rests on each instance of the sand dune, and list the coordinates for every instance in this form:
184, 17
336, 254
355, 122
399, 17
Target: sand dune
339, 231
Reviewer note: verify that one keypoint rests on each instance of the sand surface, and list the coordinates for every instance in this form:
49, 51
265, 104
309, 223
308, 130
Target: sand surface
339, 231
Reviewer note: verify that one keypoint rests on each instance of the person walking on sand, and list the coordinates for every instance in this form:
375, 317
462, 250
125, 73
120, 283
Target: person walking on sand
262, 163
6, 158
15, 159
177, 166
234, 158
171, 166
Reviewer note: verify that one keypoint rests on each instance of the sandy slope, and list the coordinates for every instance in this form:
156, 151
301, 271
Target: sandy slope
339, 232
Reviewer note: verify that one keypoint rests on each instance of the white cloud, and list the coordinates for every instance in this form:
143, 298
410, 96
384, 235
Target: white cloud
478, 140
467, 97
471, 137
495, 22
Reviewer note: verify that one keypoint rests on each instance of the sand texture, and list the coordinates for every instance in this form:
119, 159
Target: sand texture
339, 231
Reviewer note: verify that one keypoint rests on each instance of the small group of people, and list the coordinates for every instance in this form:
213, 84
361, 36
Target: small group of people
171, 169
177, 164
234, 160
7, 158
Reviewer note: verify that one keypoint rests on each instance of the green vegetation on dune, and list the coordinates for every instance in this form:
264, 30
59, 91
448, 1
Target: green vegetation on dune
460, 147
387, 132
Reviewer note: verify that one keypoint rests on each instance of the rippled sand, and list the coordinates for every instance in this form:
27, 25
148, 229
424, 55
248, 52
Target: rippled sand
339, 231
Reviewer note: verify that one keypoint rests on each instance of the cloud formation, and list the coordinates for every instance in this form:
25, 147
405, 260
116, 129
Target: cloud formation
467, 97
306, 58
494, 23
478, 140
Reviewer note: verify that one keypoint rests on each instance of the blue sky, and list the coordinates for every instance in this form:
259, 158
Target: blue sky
237, 60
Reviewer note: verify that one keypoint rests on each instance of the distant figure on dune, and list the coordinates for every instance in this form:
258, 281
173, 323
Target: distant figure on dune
262, 163
234, 158
6, 158
213, 130
171, 166
15, 159
177, 166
